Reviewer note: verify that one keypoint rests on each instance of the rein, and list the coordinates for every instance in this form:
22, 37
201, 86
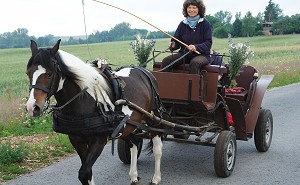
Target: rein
68, 102
174, 62
145, 63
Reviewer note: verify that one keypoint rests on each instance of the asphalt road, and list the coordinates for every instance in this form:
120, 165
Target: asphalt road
184, 164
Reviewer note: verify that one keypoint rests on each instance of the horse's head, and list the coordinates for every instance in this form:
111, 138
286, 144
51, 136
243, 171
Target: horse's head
44, 74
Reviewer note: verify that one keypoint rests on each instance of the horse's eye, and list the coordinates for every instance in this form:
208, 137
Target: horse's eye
48, 75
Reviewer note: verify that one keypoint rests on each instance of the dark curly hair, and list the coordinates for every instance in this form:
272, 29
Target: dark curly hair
198, 3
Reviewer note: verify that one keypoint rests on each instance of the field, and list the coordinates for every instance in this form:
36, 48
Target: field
278, 55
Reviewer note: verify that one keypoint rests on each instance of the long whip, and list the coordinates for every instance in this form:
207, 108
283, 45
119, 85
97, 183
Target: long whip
145, 22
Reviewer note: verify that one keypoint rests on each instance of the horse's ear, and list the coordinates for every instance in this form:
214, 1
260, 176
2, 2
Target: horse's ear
55, 48
34, 48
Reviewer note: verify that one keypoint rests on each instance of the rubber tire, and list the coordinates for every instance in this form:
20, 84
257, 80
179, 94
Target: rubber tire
225, 145
263, 132
124, 150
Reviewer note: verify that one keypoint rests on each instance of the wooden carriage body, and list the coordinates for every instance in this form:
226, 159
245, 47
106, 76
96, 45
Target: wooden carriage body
196, 99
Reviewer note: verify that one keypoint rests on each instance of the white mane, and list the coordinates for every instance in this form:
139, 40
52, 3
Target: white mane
88, 77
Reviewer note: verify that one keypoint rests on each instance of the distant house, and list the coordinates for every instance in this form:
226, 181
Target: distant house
267, 26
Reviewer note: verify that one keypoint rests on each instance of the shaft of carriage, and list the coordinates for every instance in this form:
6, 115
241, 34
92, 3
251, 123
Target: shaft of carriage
161, 120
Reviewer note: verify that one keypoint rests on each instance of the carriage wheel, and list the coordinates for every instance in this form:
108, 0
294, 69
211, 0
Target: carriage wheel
124, 150
263, 130
225, 153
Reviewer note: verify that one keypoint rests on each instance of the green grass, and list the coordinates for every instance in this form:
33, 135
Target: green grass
268, 51
9, 155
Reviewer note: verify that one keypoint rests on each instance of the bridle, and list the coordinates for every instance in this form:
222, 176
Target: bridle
52, 90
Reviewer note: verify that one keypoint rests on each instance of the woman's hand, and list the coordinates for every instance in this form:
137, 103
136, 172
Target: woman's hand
191, 48
171, 45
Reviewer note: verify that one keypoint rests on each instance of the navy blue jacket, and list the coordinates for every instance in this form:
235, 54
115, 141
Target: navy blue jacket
200, 36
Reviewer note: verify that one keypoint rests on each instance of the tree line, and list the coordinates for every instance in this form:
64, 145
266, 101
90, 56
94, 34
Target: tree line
249, 25
221, 22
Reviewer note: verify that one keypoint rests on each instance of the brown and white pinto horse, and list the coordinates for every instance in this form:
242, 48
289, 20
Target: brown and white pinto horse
79, 89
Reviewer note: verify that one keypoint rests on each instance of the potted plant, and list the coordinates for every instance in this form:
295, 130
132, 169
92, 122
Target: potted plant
239, 55
142, 48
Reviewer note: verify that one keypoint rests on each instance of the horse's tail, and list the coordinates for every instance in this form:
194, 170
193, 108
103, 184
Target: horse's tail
149, 147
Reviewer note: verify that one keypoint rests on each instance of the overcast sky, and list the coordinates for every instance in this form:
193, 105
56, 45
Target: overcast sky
65, 17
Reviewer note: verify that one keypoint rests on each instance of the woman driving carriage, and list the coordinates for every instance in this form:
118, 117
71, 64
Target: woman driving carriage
195, 31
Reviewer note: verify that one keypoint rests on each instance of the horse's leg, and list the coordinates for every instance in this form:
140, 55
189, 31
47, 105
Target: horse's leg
133, 173
88, 149
157, 151
132, 141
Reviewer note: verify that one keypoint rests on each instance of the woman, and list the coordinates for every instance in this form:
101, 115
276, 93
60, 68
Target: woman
194, 31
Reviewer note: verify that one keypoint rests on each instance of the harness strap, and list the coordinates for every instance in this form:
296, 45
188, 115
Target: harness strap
145, 63
161, 109
39, 88
72, 99
116, 131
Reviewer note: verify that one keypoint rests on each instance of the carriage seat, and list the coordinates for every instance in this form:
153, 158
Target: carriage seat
247, 80
184, 68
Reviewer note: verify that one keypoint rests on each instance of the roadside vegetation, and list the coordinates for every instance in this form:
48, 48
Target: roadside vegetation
29, 143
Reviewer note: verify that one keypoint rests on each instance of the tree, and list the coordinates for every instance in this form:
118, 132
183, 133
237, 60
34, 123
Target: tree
237, 26
120, 31
222, 31
214, 22
295, 21
259, 24
223, 17
272, 12
72, 41
287, 25
248, 25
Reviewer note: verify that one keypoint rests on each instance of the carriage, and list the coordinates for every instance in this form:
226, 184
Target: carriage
203, 110
94, 104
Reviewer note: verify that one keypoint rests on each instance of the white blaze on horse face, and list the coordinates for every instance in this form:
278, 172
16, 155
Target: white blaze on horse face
31, 101
133, 165
125, 72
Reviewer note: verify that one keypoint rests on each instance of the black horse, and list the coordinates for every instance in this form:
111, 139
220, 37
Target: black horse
85, 105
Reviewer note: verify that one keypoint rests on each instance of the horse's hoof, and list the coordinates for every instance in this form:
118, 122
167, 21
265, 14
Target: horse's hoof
139, 182
151, 183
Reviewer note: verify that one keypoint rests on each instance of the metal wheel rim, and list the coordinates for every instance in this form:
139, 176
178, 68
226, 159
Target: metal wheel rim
230, 154
268, 131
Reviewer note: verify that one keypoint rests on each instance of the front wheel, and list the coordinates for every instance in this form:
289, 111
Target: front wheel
225, 153
263, 130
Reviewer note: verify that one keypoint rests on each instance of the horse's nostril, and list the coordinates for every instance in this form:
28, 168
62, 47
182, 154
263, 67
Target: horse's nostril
36, 111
